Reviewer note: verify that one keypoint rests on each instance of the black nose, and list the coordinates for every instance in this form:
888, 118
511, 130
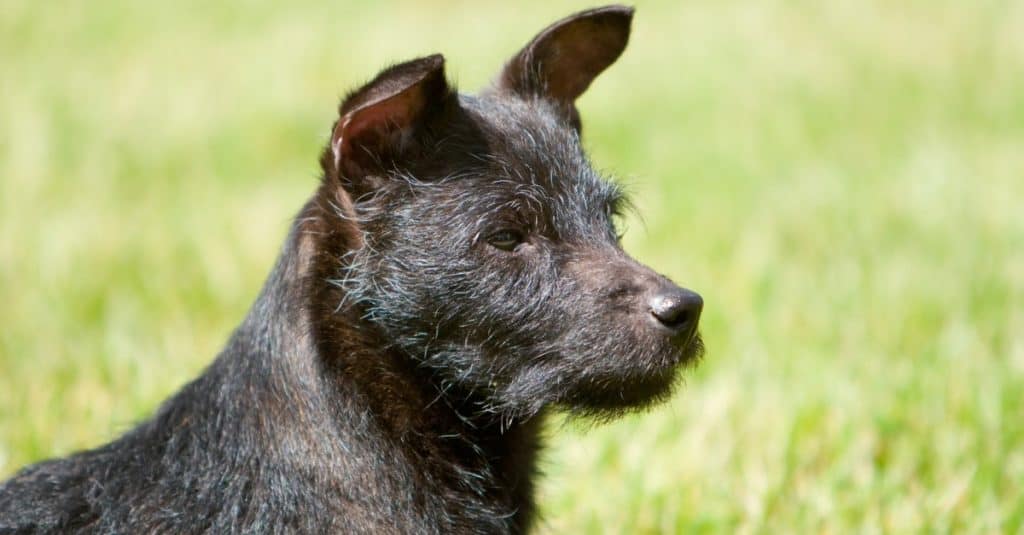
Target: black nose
677, 309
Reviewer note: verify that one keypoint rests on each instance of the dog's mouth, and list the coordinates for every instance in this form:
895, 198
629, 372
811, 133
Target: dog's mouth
690, 350
658, 379
646, 383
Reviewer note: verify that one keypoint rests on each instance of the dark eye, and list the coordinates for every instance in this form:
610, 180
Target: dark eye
506, 239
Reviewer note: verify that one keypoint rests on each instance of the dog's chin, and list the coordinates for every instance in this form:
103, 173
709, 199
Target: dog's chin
609, 396
627, 395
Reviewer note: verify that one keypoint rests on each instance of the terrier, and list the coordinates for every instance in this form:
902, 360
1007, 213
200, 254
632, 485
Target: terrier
456, 275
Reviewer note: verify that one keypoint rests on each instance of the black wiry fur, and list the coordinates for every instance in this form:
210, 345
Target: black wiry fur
392, 375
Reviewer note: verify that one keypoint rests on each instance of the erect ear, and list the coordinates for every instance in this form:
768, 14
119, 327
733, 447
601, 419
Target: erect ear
561, 61
383, 120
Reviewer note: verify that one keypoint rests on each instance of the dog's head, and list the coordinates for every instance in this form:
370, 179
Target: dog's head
483, 243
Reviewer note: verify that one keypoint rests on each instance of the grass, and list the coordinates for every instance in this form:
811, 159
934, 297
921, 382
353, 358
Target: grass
841, 181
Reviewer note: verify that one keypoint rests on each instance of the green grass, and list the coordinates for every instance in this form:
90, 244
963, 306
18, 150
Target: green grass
842, 181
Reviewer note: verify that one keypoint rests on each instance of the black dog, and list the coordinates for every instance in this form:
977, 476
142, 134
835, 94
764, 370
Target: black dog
456, 273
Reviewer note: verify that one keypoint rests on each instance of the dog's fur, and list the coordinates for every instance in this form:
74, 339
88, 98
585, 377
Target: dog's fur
456, 273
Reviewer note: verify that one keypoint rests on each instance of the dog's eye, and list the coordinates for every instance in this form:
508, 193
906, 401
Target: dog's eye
506, 239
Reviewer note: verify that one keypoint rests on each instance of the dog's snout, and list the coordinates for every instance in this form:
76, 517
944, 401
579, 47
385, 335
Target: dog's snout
677, 309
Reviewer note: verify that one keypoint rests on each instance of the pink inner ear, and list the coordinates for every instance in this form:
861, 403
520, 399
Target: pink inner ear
375, 124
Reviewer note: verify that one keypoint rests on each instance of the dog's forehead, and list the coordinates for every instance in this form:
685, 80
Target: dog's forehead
529, 141
530, 161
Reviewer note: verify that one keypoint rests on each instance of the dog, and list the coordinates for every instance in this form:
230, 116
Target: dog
456, 276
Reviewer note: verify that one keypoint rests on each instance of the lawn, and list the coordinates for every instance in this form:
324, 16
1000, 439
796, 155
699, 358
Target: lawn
842, 181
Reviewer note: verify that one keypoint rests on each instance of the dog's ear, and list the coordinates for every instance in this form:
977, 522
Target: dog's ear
384, 120
562, 60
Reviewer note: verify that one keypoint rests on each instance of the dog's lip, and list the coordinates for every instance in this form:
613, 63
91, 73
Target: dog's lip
685, 339
688, 349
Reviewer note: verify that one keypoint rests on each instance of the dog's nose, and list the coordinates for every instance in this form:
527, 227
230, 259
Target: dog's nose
677, 309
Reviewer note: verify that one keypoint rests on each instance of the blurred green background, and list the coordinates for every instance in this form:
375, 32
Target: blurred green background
841, 180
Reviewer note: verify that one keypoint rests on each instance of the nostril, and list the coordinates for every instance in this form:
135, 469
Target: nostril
668, 312
677, 309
